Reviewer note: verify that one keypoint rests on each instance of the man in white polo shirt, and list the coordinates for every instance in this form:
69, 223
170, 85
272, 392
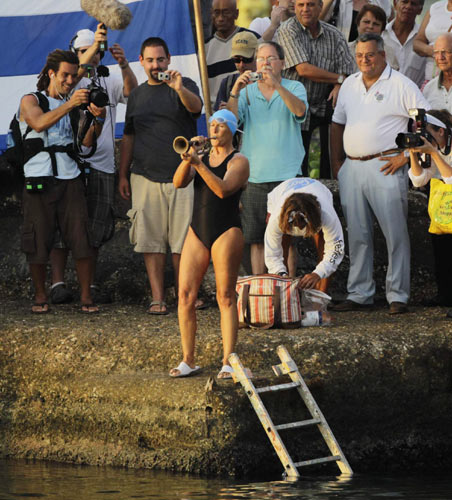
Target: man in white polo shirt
372, 108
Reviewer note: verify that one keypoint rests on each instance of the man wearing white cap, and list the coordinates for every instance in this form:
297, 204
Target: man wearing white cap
101, 179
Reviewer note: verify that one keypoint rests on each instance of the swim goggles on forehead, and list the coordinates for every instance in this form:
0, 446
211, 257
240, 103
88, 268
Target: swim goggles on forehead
220, 119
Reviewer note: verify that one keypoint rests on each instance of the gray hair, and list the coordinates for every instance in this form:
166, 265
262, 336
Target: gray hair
372, 37
276, 46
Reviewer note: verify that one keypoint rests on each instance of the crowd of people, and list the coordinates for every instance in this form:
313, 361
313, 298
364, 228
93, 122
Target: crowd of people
351, 68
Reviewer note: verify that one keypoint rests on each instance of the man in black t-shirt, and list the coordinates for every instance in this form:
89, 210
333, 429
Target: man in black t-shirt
157, 112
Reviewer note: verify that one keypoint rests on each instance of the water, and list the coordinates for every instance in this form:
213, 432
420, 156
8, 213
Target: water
20, 479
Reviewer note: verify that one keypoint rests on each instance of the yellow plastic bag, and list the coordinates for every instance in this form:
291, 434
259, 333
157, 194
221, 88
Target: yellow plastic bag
440, 207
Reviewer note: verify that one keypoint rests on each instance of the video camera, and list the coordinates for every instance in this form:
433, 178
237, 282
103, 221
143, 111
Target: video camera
97, 94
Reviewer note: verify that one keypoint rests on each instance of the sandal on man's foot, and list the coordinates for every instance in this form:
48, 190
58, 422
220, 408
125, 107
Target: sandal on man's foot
184, 370
89, 308
161, 304
40, 308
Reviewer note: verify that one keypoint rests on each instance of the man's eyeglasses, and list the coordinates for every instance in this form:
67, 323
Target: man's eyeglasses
442, 53
241, 59
268, 59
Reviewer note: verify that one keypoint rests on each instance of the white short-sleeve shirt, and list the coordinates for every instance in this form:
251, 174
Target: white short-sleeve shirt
408, 62
374, 117
437, 95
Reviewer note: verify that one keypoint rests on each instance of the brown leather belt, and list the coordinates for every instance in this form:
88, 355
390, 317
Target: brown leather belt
376, 155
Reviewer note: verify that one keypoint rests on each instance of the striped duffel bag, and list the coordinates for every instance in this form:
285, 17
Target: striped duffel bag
268, 300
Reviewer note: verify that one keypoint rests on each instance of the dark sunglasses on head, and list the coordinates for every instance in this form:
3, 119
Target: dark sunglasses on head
82, 51
239, 59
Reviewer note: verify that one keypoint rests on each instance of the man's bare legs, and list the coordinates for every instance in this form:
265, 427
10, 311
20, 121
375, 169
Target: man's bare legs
155, 268
38, 276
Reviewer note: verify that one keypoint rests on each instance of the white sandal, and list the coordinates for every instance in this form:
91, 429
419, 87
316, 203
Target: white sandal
185, 370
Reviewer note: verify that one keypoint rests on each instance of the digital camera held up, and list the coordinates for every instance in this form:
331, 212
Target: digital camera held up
163, 76
97, 94
406, 140
255, 76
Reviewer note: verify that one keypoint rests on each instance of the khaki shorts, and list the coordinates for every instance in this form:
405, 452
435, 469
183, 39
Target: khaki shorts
160, 215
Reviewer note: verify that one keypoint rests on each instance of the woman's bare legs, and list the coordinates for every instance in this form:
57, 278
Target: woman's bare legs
226, 256
194, 262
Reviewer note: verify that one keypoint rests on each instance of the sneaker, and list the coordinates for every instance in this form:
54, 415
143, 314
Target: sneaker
398, 308
350, 305
59, 294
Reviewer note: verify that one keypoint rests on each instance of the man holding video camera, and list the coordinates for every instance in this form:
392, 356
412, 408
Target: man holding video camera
54, 192
372, 108
160, 109
101, 179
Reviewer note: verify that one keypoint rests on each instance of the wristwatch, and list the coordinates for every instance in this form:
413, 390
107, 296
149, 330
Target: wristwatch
340, 79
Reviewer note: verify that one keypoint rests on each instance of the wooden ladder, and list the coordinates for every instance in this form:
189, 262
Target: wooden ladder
288, 367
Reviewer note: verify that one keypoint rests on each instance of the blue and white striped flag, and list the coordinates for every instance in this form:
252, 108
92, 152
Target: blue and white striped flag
30, 29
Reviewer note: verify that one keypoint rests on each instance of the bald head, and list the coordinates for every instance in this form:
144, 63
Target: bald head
444, 40
224, 15
442, 52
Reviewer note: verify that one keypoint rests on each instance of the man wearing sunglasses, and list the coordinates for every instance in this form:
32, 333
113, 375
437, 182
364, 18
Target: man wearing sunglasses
101, 179
242, 53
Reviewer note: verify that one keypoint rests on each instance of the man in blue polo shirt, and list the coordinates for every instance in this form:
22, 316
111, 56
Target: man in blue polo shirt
271, 111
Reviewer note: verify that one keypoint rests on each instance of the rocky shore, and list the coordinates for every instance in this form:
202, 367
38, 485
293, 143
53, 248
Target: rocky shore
94, 389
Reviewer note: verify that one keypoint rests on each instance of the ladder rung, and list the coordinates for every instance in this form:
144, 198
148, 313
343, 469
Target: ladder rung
333, 458
279, 387
302, 423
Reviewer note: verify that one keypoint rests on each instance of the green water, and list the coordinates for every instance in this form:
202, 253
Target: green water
20, 479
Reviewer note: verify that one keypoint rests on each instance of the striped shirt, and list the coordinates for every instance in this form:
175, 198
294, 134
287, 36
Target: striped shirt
328, 51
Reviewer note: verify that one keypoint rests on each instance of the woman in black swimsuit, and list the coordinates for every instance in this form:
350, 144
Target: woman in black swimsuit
215, 232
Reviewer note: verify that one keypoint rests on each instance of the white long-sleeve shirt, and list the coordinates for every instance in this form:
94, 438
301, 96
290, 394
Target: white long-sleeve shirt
331, 226
429, 173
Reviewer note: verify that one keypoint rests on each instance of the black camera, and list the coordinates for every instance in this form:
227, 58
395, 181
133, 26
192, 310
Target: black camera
409, 140
97, 94
406, 140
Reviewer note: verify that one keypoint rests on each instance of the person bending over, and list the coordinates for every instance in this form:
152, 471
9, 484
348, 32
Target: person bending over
215, 233
303, 207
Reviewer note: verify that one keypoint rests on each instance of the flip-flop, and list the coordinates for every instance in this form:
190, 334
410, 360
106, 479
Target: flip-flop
161, 304
41, 305
185, 370
86, 308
